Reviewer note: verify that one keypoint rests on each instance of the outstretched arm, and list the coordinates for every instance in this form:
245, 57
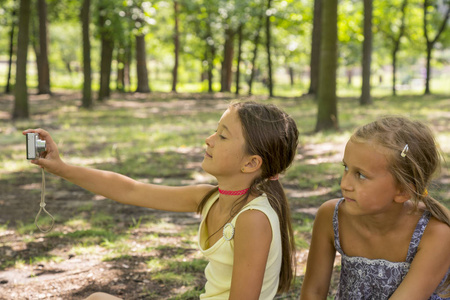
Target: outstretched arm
119, 187
321, 255
430, 264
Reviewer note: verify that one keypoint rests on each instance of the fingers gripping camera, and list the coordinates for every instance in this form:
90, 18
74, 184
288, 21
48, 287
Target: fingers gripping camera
35, 146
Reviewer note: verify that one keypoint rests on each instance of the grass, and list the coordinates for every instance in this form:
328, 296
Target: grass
160, 138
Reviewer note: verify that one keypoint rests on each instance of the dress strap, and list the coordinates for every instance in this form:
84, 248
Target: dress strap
337, 242
417, 236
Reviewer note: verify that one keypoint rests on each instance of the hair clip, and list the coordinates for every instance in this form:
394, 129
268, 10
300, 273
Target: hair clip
405, 150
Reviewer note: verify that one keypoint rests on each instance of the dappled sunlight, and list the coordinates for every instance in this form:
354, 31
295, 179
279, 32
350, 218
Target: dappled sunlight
443, 141
324, 152
320, 191
158, 138
203, 177
12, 166
31, 186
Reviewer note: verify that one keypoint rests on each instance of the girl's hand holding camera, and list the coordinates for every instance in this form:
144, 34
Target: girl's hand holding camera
49, 159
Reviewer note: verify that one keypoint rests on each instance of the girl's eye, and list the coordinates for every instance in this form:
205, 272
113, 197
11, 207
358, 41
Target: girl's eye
345, 167
220, 136
361, 176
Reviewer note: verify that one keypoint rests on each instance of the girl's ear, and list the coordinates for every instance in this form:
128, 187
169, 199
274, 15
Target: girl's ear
403, 195
253, 164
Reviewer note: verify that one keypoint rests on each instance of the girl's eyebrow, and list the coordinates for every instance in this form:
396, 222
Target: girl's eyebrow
225, 127
358, 168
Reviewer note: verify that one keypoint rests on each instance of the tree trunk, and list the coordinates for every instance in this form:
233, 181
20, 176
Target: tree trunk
291, 75
428, 74
120, 80
349, 76
11, 51
176, 41
212, 54
43, 65
327, 117
128, 60
394, 71
397, 46
238, 71
141, 65
227, 63
366, 98
85, 17
268, 45
431, 42
315, 48
105, 66
255, 53
21, 110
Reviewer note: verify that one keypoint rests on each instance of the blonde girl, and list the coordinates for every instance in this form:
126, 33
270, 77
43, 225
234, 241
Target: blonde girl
393, 237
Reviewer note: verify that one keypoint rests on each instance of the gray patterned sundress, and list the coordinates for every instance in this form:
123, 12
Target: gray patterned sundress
375, 279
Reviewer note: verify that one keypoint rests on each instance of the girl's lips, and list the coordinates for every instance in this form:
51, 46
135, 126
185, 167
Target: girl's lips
207, 155
349, 199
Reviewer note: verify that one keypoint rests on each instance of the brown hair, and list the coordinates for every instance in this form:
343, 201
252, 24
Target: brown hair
414, 166
273, 135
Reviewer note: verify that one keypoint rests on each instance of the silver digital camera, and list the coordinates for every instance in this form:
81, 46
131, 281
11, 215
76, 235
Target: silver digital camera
35, 146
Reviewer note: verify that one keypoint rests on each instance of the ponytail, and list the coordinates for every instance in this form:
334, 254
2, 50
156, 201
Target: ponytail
278, 200
436, 209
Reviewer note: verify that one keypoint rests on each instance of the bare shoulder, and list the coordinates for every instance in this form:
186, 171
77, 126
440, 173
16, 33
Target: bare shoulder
327, 208
253, 219
435, 241
330, 203
323, 222
253, 231
437, 231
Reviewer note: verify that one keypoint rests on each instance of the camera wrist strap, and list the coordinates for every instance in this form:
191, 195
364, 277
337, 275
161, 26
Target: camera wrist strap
42, 207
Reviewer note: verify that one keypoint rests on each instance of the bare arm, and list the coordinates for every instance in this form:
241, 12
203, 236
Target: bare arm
321, 255
251, 249
429, 266
119, 187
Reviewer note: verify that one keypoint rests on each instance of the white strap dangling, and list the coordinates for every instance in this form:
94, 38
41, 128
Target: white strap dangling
42, 207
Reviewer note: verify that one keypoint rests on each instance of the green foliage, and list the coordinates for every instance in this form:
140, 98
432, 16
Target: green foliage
102, 220
189, 295
194, 266
25, 228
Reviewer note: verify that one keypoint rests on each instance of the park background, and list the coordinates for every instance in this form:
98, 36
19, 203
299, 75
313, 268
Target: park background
136, 86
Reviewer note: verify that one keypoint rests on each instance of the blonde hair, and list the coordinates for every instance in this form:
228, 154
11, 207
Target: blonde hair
413, 159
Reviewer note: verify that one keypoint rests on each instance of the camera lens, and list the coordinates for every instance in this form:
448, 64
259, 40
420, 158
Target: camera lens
40, 146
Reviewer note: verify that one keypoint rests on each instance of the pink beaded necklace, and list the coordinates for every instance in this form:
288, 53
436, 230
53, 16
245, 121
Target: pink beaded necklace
234, 193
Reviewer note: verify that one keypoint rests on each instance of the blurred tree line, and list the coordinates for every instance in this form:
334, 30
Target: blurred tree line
238, 41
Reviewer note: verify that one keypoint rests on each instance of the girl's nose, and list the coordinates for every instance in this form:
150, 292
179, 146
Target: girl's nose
209, 140
345, 183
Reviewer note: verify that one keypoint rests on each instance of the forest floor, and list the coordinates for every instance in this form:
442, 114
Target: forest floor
100, 245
